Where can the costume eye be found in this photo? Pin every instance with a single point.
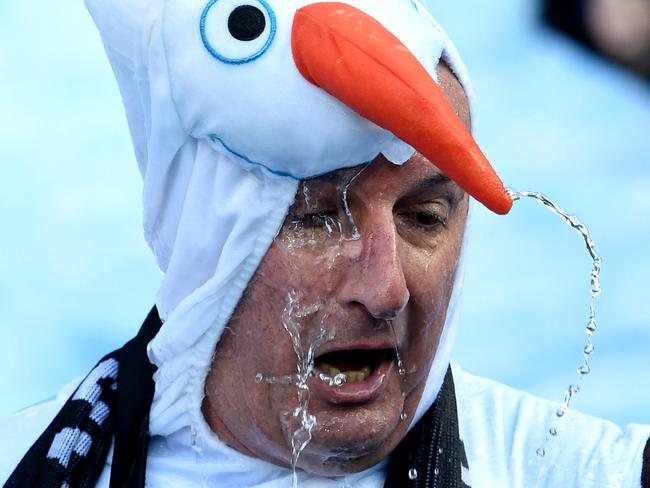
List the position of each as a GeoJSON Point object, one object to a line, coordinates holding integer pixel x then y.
{"type": "Point", "coordinates": [234, 32]}
{"type": "Point", "coordinates": [246, 23]}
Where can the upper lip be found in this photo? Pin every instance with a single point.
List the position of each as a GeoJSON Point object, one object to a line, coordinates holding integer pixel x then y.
{"type": "Point", "coordinates": [366, 345]}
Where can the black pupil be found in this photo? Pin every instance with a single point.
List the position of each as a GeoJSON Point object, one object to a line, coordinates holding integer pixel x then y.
{"type": "Point", "coordinates": [246, 23]}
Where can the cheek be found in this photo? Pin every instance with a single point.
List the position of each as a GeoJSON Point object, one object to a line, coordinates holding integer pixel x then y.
{"type": "Point", "coordinates": [430, 278]}
{"type": "Point", "coordinates": [255, 342]}
{"type": "Point", "coordinates": [258, 320]}
{"type": "Point", "coordinates": [431, 272]}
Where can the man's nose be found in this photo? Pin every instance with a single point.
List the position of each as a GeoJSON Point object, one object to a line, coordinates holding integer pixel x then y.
{"type": "Point", "coordinates": [376, 278]}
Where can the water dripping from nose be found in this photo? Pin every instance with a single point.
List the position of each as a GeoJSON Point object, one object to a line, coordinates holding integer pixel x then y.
{"type": "Point", "coordinates": [400, 365]}
{"type": "Point", "coordinates": [398, 357]}
{"type": "Point", "coordinates": [584, 368]}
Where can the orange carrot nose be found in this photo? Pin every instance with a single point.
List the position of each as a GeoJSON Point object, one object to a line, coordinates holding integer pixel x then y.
{"type": "Point", "coordinates": [354, 58]}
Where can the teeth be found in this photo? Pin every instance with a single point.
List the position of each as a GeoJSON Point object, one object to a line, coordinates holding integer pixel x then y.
{"type": "Point", "coordinates": [350, 376]}
{"type": "Point", "coordinates": [329, 369]}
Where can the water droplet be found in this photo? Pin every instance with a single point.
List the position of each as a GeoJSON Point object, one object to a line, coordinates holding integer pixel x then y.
{"type": "Point", "coordinates": [197, 442]}
{"type": "Point", "coordinates": [591, 325]}
{"type": "Point", "coordinates": [560, 412]}
{"type": "Point", "coordinates": [589, 349]}
{"type": "Point", "coordinates": [413, 473]}
{"type": "Point", "coordinates": [259, 377]}
{"type": "Point", "coordinates": [436, 472]}
{"type": "Point", "coordinates": [440, 450]}
{"type": "Point", "coordinates": [401, 371]}
{"type": "Point", "coordinates": [584, 369]}
{"type": "Point", "coordinates": [552, 431]}
{"type": "Point", "coordinates": [541, 452]}
{"type": "Point", "coordinates": [403, 416]}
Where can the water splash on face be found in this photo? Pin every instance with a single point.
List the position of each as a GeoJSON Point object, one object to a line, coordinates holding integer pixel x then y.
{"type": "Point", "coordinates": [336, 380]}
{"type": "Point", "coordinates": [301, 422]}
{"type": "Point", "coordinates": [275, 380]}
{"type": "Point", "coordinates": [302, 433]}
{"type": "Point", "coordinates": [321, 218]}
{"type": "Point", "coordinates": [350, 227]}
{"type": "Point", "coordinates": [594, 290]}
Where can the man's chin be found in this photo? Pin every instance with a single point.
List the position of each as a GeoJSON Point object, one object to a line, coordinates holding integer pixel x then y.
{"type": "Point", "coordinates": [351, 439]}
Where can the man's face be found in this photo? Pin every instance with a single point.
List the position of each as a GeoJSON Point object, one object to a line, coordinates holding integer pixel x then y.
{"type": "Point", "coordinates": [360, 276]}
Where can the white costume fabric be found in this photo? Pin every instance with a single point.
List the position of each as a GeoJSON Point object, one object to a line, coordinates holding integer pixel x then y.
{"type": "Point", "coordinates": [218, 180]}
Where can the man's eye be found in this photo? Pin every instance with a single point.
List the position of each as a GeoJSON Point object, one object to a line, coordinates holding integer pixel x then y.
{"type": "Point", "coordinates": [425, 220]}
{"type": "Point", "coordinates": [317, 220]}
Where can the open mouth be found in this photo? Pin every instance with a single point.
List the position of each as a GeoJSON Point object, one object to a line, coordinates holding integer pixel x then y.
{"type": "Point", "coordinates": [353, 376]}
{"type": "Point", "coordinates": [353, 365]}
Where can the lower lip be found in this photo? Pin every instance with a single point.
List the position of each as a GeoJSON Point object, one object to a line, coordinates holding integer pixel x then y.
{"type": "Point", "coordinates": [358, 391]}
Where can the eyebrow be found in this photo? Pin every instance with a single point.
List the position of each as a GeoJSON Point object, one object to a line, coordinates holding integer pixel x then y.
{"type": "Point", "coordinates": [439, 179]}
{"type": "Point", "coordinates": [438, 183]}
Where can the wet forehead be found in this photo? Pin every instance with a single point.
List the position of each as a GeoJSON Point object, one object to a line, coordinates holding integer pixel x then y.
{"type": "Point", "coordinates": [455, 94]}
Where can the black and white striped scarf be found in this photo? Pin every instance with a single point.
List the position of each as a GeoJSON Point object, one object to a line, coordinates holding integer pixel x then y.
{"type": "Point", "coordinates": [111, 405]}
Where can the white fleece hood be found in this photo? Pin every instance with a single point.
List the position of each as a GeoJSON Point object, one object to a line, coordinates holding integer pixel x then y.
{"type": "Point", "coordinates": [218, 125]}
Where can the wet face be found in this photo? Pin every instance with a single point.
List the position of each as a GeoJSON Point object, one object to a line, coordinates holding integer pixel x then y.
{"type": "Point", "coordinates": [343, 316]}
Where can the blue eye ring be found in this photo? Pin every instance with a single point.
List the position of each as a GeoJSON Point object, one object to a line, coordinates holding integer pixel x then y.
{"type": "Point", "coordinates": [247, 59]}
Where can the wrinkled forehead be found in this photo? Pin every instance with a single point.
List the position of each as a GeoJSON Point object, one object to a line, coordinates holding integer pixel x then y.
{"type": "Point", "coordinates": [378, 180]}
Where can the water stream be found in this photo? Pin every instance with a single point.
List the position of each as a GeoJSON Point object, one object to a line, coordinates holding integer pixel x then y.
{"type": "Point", "coordinates": [352, 232]}
{"type": "Point", "coordinates": [584, 367]}
{"type": "Point", "coordinates": [398, 357]}
{"type": "Point", "coordinates": [306, 422]}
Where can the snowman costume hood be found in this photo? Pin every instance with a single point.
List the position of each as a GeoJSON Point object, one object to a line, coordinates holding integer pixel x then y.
{"type": "Point", "coordinates": [205, 110]}
{"type": "Point", "coordinates": [230, 104]}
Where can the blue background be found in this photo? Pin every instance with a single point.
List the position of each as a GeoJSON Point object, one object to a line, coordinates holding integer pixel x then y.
{"type": "Point", "coordinates": [76, 278]}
